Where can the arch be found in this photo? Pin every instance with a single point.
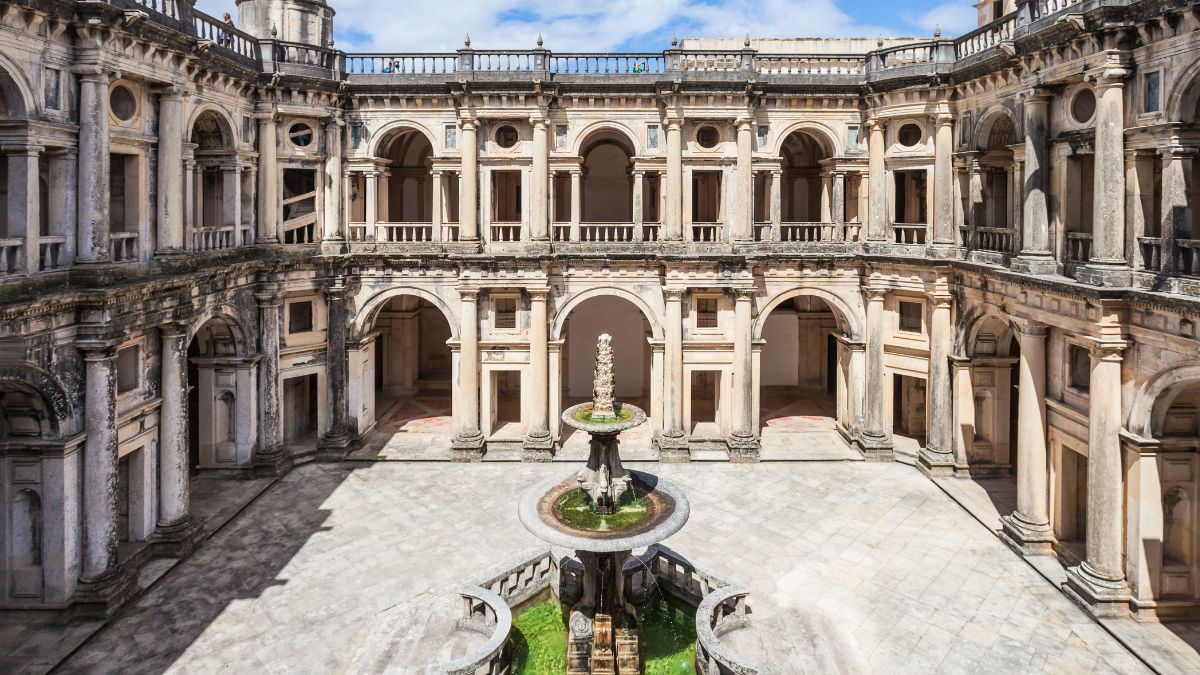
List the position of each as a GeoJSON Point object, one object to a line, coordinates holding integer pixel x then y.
{"type": "Point", "coordinates": [17, 96]}
{"type": "Point", "coordinates": [822, 134]}
{"type": "Point", "coordinates": [387, 131]}
{"type": "Point", "coordinates": [365, 318]}
{"type": "Point", "coordinates": [988, 121]}
{"type": "Point", "coordinates": [848, 321]}
{"type": "Point", "coordinates": [211, 119]}
{"type": "Point", "coordinates": [973, 321]}
{"type": "Point", "coordinates": [47, 387]}
{"type": "Point", "coordinates": [1152, 400]}
{"type": "Point", "coordinates": [560, 317]}
{"type": "Point", "coordinates": [1183, 105]}
{"type": "Point", "coordinates": [229, 314]}
{"type": "Point", "coordinates": [596, 129]}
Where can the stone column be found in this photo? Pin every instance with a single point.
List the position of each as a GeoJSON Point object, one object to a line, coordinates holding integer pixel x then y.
{"type": "Point", "coordinates": [170, 171]}
{"type": "Point", "coordinates": [468, 441]}
{"type": "Point", "coordinates": [175, 525]}
{"type": "Point", "coordinates": [1028, 528]}
{"type": "Point", "coordinates": [877, 220]}
{"type": "Point", "coordinates": [743, 215]}
{"type": "Point", "coordinates": [743, 443]}
{"type": "Point", "coordinates": [24, 200]}
{"type": "Point", "coordinates": [93, 175]}
{"type": "Point", "coordinates": [371, 194]}
{"type": "Point", "coordinates": [435, 217]}
{"type": "Point", "coordinates": [638, 215]}
{"type": "Point", "coordinates": [538, 445]}
{"type": "Point", "coordinates": [838, 205]}
{"type": "Point", "coordinates": [576, 202]}
{"type": "Point", "coordinates": [963, 435]}
{"type": "Point", "coordinates": [271, 457]}
{"type": "Point", "coordinates": [943, 187]}
{"type": "Point", "coordinates": [875, 441]}
{"type": "Point", "coordinates": [333, 222]}
{"type": "Point", "coordinates": [336, 367]}
{"type": "Point", "coordinates": [826, 197]}
{"type": "Point", "coordinates": [1036, 256]}
{"type": "Point", "coordinates": [99, 568]}
{"type": "Point", "coordinates": [268, 180]}
{"type": "Point", "coordinates": [673, 190]}
{"type": "Point", "coordinates": [231, 196]}
{"type": "Point", "coordinates": [539, 228]}
{"type": "Point", "coordinates": [62, 206]}
{"type": "Point", "coordinates": [673, 442]}
{"type": "Point", "coordinates": [1177, 195]}
{"type": "Point", "coordinates": [1099, 581]}
{"type": "Point", "coordinates": [1107, 266]}
{"type": "Point", "coordinates": [937, 457]}
{"type": "Point", "coordinates": [776, 206]}
{"type": "Point", "coordinates": [468, 185]}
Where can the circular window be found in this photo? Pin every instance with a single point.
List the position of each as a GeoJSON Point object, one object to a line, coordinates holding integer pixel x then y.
{"type": "Point", "coordinates": [1083, 106]}
{"type": "Point", "coordinates": [910, 135]}
{"type": "Point", "coordinates": [301, 135]}
{"type": "Point", "coordinates": [708, 136]}
{"type": "Point", "coordinates": [506, 136]}
{"type": "Point", "coordinates": [122, 103]}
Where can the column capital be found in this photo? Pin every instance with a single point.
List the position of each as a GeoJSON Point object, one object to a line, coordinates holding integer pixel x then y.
{"type": "Point", "coordinates": [1178, 151]}
{"type": "Point", "coordinates": [272, 297]}
{"type": "Point", "coordinates": [1108, 350]}
{"type": "Point", "coordinates": [62, 152]}
{"type": "Point", "coordinates": [941, 299]}
{"type": "Point", "coordinates": [674, 294]}
{"type": "Point", "coordinates": [745, 294]}
{"type": "Point", "coordinates": [468, 294]}
{"type": "Point", "coordinates": [173, 328]}
{"type": "Point", "coordinates": [875, 124]}
{"type": "Point", "coordinates": [1027, 328]}
{"type": "Point", "coordinates": [539, 122]}
{"type": "Point", "coordinates": [1112, 75]}
{"type": "Point", "coordinates": [469, 125]}
{"type": "Point", "coordinates": [673, 123]}
{"type": "Point", "coordinates": [91, 71]}
{"type": "Point", "coordinates": [97, 351]}
{"type": "Point", "coordinates": [875, 293]}
{"type": "Point", "coordinates": [538, 294]}
{"type": "Point", "coordinates": [171, 92]}
{"type": "Point", "coordinates": [1037, 95]}
{"type": "Point", "coordinates": [27, 149]}
{"type": "Point", "coordinates": [744, 124]}
{"type": "Point", "coordinates": [944, 119]}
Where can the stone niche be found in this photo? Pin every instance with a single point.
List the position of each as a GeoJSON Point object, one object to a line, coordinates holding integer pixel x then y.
{"type": "Point", "coordinates": [227, 399]}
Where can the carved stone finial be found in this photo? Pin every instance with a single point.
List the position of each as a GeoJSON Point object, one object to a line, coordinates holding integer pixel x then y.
{"type": "Point", "coordinates": [274, 31]}
{"type": "Point", "coordinates": [539, 40]}
{"type": "Point", "coordinates": [937, 30]}
{"type": "Point", "coordinates": [467, 41]}
{"type": "Point", "coordinates": [746, 42]}
{"type": "Point", "coordinates": [602, 387]}
{"type": "Point", "coordinates": [879, 42]}
{"type": "Point", "coordinates": [674, 40]}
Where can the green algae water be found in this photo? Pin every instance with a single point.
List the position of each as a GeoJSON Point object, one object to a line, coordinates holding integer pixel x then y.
{"type": "Point", "coordinates": [574, 507]}
{"type": "Point", "coordinates": [668, 638]}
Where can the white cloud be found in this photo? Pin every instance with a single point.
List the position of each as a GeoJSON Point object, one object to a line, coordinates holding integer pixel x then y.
{"type": "Point", "coordinates": [954, 18]}
{"type": "Point", "coordinates": [571, 25]}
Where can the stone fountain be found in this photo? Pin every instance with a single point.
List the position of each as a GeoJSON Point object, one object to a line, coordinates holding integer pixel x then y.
{"type": "Point", "coordinates": [603, 512]}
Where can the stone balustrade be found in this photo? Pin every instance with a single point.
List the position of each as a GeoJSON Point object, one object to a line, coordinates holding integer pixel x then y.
{"type": "Point", "coordinates": [1189, 256]}
{"type": "Point", "coordinates": [1150, 250]}
{"type": "Point", "coordinates": [12, 256]}
{"type": "Point", "coordinates": [1079, 247]}
{"type": "Point", "coordinates": [908, 234]}
{"type": "Point", "coordinates": [487, 613]}
{"type": "Point", "coordinates": [124, 246]}
{"type": "Point", "coordinates": [720, 612]}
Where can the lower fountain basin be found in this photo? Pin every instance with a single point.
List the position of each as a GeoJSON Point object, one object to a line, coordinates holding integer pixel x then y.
{"type": "Point", "coordinates": [662, 510]}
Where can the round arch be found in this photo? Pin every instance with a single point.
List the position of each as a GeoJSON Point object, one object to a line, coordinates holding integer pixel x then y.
{"type": "Point", "coordinates": [972, 321]}
{"type": "Point", "coordinates": [227, 127]}
{"type": "Point", "coordinates": [848, 321]}
{"type": "Point", "coordinates": [387, 131]}
{"type": "Point", "coordinates": [45, 385]}
{"type": "Point", "coordinates": [228, 314]}
{"type": "Point", "coordinates": [560, 317]}
{"type": "Point", "coordinates": [18, 98]}
{"type": "Point", "coordinates": [988, 120]}
{"type": "Point", "coordinates": [1152, 400]}
{"type": "Point", "coordinates": [817, 131]}
{"type": "Point", "coordinates": [365, 317]}
{"type": "Point", "coordinates": [1184, 100]}
{"type": "Point", "coordinates": [595, 128]}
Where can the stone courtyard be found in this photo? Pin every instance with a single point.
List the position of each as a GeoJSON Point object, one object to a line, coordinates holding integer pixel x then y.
{"type": "Point", "coordinates": [876, 560]}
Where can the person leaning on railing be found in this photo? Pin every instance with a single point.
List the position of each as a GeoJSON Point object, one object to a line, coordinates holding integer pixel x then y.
{"type": "Point", "coordinates": [225, 38]}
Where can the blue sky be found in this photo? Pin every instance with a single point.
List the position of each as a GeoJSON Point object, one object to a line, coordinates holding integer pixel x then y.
{"type": "Point", "coordinates": [621, 25]}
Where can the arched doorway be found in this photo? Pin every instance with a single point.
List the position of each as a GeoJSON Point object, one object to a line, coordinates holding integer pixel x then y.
{"type": "Point", "coordinates": [989, 441]}
{"type": "Point", "coordinates": [633, 355]}
{"type": "Point", "coordinates": [24, 419]}
{"type": "Point", "coordinates": [803, 193]}
{"type": "Point", "coordinates": [222, 387]}
{"type": "Point", "coordinates": [407, 196]}
{"type": "Point", "coordinates": [607, 181]}
{"type": "Point", "coordinates": [213, 215]}
{"type": "Point", "coordinates": [803, 379]}
{"type": "Point", "coordinates": [411, 378]}
{"type": "Point", "coordinates": [994, 216]}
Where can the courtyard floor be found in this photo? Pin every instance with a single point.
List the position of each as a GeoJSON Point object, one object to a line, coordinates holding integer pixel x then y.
{"type": "Point", "coordinates": [852, 567]}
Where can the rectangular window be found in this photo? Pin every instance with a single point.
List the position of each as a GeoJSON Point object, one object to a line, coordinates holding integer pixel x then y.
{"type": "Point", "coordinates": [763, 133]}
{"type": "Point", "coordinates": [652, 136]}
{"type": "Point", "coordinates": [451, 137]}
{"type": "Point", "coordinates": [356, 135]}
{"type": "Point", "coordinates": [852, 137]}
{"type": "Point", "coordinates": [300, 317]}
{"type": "Point", "coordinates": [1079, 367]}
{"type": "Point", "coordinates": [53, 79]}
{"type": "Point", "coordinates": [506, 313]}
{"type": "Point", "coordinates": [299, 206]}
{"type": "Point", "coordinates": [560, 136]}
{"type": "Point", "coordinates": [706, 312]}
{"type": "Point", "coordinates": [128, 365]}
{"type": "Point", "coordinates": [911, 316]}
{"type": "Point", "coordinates": [1151, 98]}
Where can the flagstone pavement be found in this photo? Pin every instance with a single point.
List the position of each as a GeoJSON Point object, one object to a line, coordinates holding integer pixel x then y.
{"type": "Point", "coordinates": [852, 566]}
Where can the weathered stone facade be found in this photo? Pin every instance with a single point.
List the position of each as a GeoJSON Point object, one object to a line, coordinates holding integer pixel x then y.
{"type": "Point", "coordinates": [222, 247]}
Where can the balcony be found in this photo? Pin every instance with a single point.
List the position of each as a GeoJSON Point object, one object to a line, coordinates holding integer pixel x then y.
{"type": "Point", "coordinates": [12, 257]}
{"type": "Point", "coordinates": [910, 234]}
{"type": "Point", "coordinates": [214, 238]}
{"type": "Point", "coordinates": [1079, 248]}
{"type": "Point", "coordinates": [124, 246]}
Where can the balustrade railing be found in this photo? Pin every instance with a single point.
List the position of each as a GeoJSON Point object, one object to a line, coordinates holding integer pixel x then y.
{"type": "Point", "coordinates": [607, 64]}
{"type": "Point", "coordinates": [763, 231]}
{"type": "Point", "coordinates": [810, 232]}
{"type": "Point", "coordinates": [124, 246]}
{"type": "Point", "coordinates": [995, 239]}
{"type": "Point", "coordinates": [213, 238]}
{"type": "Point", "coordinates": [52, 252]}
{"type": "Point", "coordinates": [225, 36]}
{"type": "Point", "coordinates": [300, 234]}
{"type": "Point", "coordinates": [650, 231]}
{"type": "Point", "coordinates": [707, 232]}
{"type": "Point", "coordinates": [853, 231]}
{"type": "Point", "coordinates": [810, 64]}
{"type": "Point", "coordinates": [1044, 8]}
{"type": "Point", "coordinates": [1189, 256]}
{"type": "Point", "coordinates": [506, 232]}
{"type": "Point", "coordinates": [487, 613]}
{"type": "Point", "coordinates": [300, 54]}
{"type": "Point", "coordinates": [507, 61]}
{"type": "Point", "coordinates": [450, 232]}
{"type": "Point", "coordinates": [12, 256]}
{"type": "Point", "coordinates": [1151, 251]}
{"type": "Point", "coordinates": [401, 64]}
{"type": "Point", "coordinates": [987, 36]}
{"type": "Point", "coordinates": [908, 233]}
{"type": "Point", "coordinates": [615, 232]}
{"type": "Point", "coordinates": [1079, 247]}
{"type": "Point", "coordinates": [403, 232]}
{"type": "Point", "coordinates": [710, 62]}
{"type": "Point", "coordinates": [356, 231]}
{"type": "Point", "coordinates": [168, 8]}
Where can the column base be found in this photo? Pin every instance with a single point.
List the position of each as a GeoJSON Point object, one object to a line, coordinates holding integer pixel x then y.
{"type": "Point", "coordinates": [1028, 262]}
{"type": "Point", "coordinates": [672, 448]}
{"type": "Point", "coordinates": [273, 462]}
{"type": "Point", "coordinates": [744, 449]}
{"type": "Point", "coordinates": [943, 250]}
{"type": "Point", "coordinates": [1025, 536]}
{"type": "Point", "coordinates": [333, 246]}
{"type": "Point", "coordinates": [266, 240]}
{"type": "Point", "coordinates": [875, 448]}
{"type": "Point", "coordinates": [467, 447]}
{"type": "Point", "coordinates": [935, 464]}
{"type": "Point", "coordinates": [102, 596]}
{"type": "Point", "coordinates": [176, 539]}
{"type": "Point", "coordinates": [1098, 594]}
{"type": "Point", "coordinates": [335, 441]}
{"type": "Point", "coordinates": [1102, 273]}
{"type": "Point", "coordinates": [538, 447]}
